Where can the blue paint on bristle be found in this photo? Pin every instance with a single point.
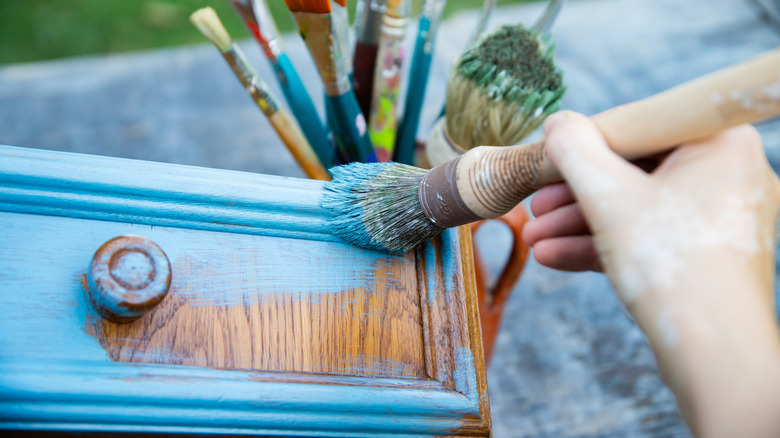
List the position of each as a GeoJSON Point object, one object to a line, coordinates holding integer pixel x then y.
{"type": "Point", "coordinates": [341, 201]}
{"type": "Point", "coordinates": [377, 206]}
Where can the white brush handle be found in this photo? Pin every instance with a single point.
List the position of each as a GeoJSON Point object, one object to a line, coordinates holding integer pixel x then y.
{"type": "Point", "coordinates": [491, 180]}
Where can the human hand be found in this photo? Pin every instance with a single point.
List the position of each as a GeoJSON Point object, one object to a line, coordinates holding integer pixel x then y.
{"type": "Point", "coordinates": [689, 249]}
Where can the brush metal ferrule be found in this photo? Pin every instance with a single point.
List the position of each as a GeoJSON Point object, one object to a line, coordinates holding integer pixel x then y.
{"type": "Point", "coordinates": [248, 77]}
{"type": "Point", "coordinates": [318, 34]}
{"type": "Point", "coordinates": [257, 17]}
{"type": "Point", "coordinates": [440, 198]}
{"type": "Point", "coordinates": [267, 29]}
{"type": "Point", "coordinates": [431, 12]}
{"type": "Point", "coordinates": [368, 20]}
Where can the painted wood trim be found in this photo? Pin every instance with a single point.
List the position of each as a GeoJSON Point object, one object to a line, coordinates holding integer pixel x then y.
{"type": "Point", "coordinates": [141, 192]}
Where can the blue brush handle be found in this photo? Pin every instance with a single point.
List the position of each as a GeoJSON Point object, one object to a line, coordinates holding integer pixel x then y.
{"type": "Point", "coordinates": [351, 128]}
{"type": "Point", "coordinates": [303, 109]}
{"type": "Point", "coordinates": [407, 130]}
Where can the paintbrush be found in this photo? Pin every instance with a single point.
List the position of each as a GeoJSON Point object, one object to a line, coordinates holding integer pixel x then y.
{"type": "Point", "coordinates": [208, 23]}
{"type": "Point", "coordinates": [368, 23]}
{"type": "Point", "coordinates": [393, 207]}
{"type": "Point", "coordinates": [418, 78]}
{"type": "Point", "coordinates": [316, 26]}
{"type": "Point", "coordinates": [482, 19]}
{"type": "Point", "coordinates": [383, 124]}
{"type": "Point", "coordinates": [258, 19]}
{"type": "Point", "coordinates": [498, 92]}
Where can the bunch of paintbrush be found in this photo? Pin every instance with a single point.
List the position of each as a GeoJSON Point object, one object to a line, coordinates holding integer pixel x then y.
{"type": "Point", "coordinates": [393, 207]}
{"type": "Point", "coordinates": [383, 123]}
{"type": "Point", "coordinates": [208, 23]}
{"type": "Point", "coordinates": [258, 19]}
{"type": "Point", "coordinates": [428, 26]}
{"type": "Point", "coordinates": [319, 27]}
{"type": "Point", "coordinates": [498, 92]}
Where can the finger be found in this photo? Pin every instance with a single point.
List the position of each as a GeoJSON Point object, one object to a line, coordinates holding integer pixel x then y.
{"type": "Point", "coordinates": [550, 197]}
{"type": "Point", "coordinates": [581, 154]}
{"type": "Point", "coordinates": [573, 253]}
{"type": "Point", "coordinates": [564, 221]}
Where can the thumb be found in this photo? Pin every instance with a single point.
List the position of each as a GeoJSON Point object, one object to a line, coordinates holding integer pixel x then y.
{"type": "Point", "coordinates": [584, 159]}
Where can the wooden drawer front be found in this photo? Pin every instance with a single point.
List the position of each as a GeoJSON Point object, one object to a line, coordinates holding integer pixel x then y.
{"type": "Point", "coordinates": [270, 325]}
{"type": "Point", "coordinates": [235, 301]}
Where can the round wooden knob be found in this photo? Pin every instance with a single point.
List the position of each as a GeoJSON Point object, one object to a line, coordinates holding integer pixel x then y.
{"type": "Point", "coordinates": [129, 275]}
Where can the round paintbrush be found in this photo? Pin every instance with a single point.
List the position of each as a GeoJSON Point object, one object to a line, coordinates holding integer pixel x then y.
{"type": "Point", "coordinates": [499, 91]}
{"type": "Point", "coordinates": [393, 207]}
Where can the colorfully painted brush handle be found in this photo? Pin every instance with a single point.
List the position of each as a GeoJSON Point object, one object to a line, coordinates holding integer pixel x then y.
{"type": "Point", "coordinates": [352, 128]}
{"type": "Point", "coordinates": [415, 95]}
{"type": "Point", "coordinates": [303, 109]}
{"type": "Point", "coordinates": [488, 181]}
{"type": "Point", "coordinates": [383, 122]}
{"type": "Point", "coordinates": [296, 143]}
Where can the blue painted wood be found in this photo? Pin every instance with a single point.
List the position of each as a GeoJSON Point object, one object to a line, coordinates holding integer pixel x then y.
{"type": "Point", "coordinates": [56, 209]}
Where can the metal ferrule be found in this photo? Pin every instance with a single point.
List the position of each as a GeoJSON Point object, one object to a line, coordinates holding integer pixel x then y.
{"type": "Point", "coordinates": [432, 10]}
{"type": "Point", "coordinates": [320, 38]}
{"type": "Point", "coordinates": [248, 77]}
{"type": "Point", "coordinates": [440, 198]}
{"type": "Point", "coordinates": [267, 26]}
{"type": "Point", "coordinates": [368, 20]}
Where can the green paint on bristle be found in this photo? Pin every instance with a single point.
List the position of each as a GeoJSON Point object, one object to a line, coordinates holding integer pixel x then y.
{"type": "Point", "coordinates": [510, 63]}
{"type": "Point", "coordinates": [376, 206]}
{"type": "Point", "coordinates": [510, 74]}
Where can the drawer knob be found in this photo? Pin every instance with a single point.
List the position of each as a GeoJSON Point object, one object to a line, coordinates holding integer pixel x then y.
{"type": "Point", "coordinates": [128, 276]}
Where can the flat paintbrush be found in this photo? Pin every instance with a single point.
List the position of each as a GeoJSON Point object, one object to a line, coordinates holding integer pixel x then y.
{"type": "Point", "coordinates": [208, 23]}
{"type": "Point", "coordinates": [258, 19]}
{"type": "Point", "coordinates": [392, 207]}
{"type": "Point", "coordinates": [318, 30]}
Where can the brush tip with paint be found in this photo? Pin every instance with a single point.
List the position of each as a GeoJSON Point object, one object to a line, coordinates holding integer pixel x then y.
{"type": "Point", "coordinates": [207, 21]}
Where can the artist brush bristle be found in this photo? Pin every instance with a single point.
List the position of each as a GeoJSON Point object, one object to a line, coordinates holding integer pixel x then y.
{"type": "Point", "coordinates": [343, 3]}
{"type": "Point", "coordinates": [502, 88]}
{"type": "Point", "coordinates": [208, 23]}
{"type": "Point", "coordinates": [377, 206]}
{"type": "Point", "coordinates": [316, 6]}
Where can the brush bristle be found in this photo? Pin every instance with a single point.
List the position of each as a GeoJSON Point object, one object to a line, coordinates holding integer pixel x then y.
{"type": "Point", "coordinates": [343, 3]}
{"type": "Point", "coordinates": [377, 206]}
{"type": "Point", "coordinates": [502, 88]}
{"type": "Point", "coordinates": [316, 6]}
{"type": "Point", "coordinates": [207, 21]}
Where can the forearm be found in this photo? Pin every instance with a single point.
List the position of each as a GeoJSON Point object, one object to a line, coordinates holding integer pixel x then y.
{"type": "Point", "coordinates": [716, 340]}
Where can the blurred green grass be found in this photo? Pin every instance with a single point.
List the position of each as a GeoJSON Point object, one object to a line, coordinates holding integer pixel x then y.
{"type": "Point", "coordinates": [33, 30]}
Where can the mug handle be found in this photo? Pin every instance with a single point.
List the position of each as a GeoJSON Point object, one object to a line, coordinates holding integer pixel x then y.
{"type": "Point", "coordinates": [491, 302]}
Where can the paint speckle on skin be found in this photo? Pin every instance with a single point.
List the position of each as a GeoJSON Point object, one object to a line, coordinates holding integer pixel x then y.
{"type": "Point", "coordinates": [675, 225]}
{"type": "Point", "coordinates": [666, 326]}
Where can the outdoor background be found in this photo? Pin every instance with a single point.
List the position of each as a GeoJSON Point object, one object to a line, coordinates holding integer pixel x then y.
{"type": "Point", "coordinates": [33, 30]}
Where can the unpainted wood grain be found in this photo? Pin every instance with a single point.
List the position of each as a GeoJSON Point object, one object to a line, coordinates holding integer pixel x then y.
{"type": "Point", "coordinates": [224, 312]}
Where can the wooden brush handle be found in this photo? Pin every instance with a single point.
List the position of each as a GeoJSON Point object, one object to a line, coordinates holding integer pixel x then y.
{"type": "Point", "coordinates": [299, 147]}
{"type": "Point", "coordinates": [744, 93]}
{"type": "Point", "coordinates": [488, 181]}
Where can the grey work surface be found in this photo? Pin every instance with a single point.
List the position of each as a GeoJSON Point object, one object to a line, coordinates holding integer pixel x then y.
{"type": "Point", "coordinates": [568, 361]}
